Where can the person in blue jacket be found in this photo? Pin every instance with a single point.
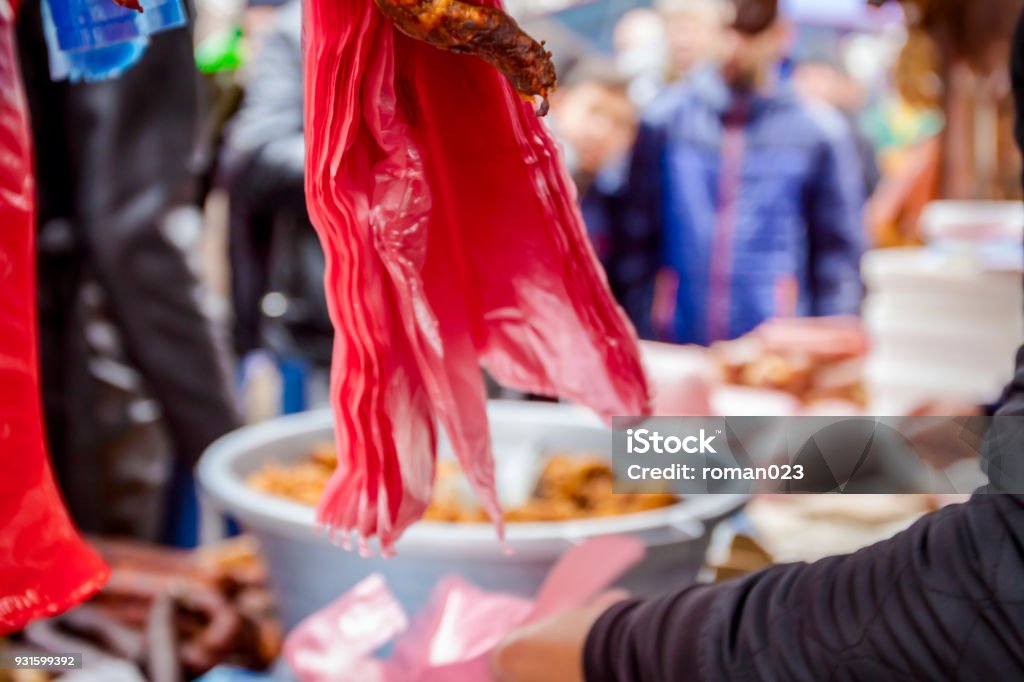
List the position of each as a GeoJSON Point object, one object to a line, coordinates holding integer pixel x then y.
{"type": "Point", "coordinates": [756, 196]}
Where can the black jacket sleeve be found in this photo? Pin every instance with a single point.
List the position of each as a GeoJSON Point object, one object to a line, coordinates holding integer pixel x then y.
{"type": "Point", "coordinates": [942, 600]}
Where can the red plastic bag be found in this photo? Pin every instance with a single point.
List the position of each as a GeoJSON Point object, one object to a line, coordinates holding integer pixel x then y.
{"type": "Point", "coordinates": [452, 637]}
{"type": "Point", "coordinates": [453, 240]}
{"type": "Point", "coordinates": [45, 567]}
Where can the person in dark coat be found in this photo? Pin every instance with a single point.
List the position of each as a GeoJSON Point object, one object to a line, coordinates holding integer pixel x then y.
{"type": "Point", "coordinates": [943, 600]}
{"type": "Point", "coordinates": [595, 120]}
{"type": "Point", "coordinates": [277, 261]}
{"type": "Point", "coordinates": [135, 377]}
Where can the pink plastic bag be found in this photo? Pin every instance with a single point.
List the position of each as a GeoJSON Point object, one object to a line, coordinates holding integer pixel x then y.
{"type": "Point", "coordinates": [452, 638]}
{"type": "Point", "coordinates": [45, 567]}
{"type": "Point", "coordinates": [452, 240]}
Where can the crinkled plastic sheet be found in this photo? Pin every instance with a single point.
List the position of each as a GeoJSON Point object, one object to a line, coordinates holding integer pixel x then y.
{"type": "Point", "coordinates": [451, 639]}
{"type": "Point", "coordinates": [44, 566]}
{"type": "Point", "coordinates": [453, 240]}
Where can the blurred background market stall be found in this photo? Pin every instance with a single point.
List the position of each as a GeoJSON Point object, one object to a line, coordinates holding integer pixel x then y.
{"type": "Point", "coordinates": [857, 155]}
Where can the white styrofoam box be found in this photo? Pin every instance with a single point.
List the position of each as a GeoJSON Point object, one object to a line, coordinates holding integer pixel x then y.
{"type": "Point", "coordinates": [953, 220]}
{"type": "Point", "coordinates": [935, 273]}
{"type": "Point", "coordinates": [998, 316]}
{"type": "Point", "coordinates": [967, 351]}
{"type": "Point", "coordinates": [897, 387]}
{"type": "Point", "coordinates": [942, 327]}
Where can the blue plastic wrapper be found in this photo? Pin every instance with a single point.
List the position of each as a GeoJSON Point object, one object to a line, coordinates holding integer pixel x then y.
{"type": "Point", "coordinates": [91, 40]}
{"type": "Point", "coordinates": [82, 24]}
{"type": "Point", "coordinates": [93, 64]}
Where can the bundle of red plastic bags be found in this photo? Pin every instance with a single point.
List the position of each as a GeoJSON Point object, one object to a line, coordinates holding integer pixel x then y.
{"type": "Point", "coordinates": [453, 241]}
{"type": "Point", "coordinates": [45, 567]}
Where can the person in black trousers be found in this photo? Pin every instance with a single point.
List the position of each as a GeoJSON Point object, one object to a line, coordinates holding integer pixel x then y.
{"type": "Point", "coordinates": [136, 378]}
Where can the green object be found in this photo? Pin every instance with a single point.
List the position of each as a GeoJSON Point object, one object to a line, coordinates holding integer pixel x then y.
{"type": "Point", "coordinates": [221, 51]}
{"type": "Point", "coordinates": [892, 123]}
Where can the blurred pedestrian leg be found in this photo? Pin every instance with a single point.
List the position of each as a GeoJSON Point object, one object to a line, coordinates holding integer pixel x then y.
{"type": "Point", "coordinates": [116, 208]}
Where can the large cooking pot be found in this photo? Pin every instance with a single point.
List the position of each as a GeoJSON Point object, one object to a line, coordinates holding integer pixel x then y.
{"type": "Point", "coordinates": [307, 571]}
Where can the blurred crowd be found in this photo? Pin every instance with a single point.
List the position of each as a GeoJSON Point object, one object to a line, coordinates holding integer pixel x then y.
{"type": "Point", "coordinates": [721, 166]}
{"type": "Point", "coordinates": [726, 165]}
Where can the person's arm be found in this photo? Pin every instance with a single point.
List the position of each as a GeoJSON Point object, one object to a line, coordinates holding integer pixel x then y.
{"type": "Point", "coordinates": [939, 601]}
{"type": "Point", "coordinates": [834, 214]}
{"type": "Point", "coordinates": [942, 600]}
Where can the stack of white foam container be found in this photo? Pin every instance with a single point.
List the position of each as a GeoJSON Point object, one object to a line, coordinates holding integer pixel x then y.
{"type": "Point", "coordinates": [945, 321]}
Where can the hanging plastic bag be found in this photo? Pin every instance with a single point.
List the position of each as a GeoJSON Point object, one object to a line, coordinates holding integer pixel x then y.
{"type": "Point", "coordinates": [451, 639]}
{"type": "Point", "coordinates": [45, 567]}
{"type": "Point", "coordinates": [452, 240]}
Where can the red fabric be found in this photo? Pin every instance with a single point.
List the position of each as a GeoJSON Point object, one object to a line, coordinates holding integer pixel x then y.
{"type": "Point", "coordinates": [453, 240]}
{"type": "Point", "coordinates": [45, 567]}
